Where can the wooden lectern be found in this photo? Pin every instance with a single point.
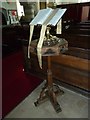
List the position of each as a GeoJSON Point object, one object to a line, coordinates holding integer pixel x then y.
{"type": "Point", "coordinates": [48, 45]}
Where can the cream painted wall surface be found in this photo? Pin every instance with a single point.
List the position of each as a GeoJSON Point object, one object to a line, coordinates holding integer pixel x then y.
{"type": "Point", "coordinates": [71, 1]}
{"type": "Point", "coordinates": [6, 5]}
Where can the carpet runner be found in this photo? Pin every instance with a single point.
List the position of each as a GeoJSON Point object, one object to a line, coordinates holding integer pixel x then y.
{"type": "Point", "coordinates": [16, 84]}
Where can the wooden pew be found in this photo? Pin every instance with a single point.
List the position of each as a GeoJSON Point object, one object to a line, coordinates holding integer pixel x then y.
{"type": "Point", "coordinates": [80, 26]}
{"type": "Point", "coordinates": [78, 31]}
{"type": "Point", "coordinates": [78, 40]}
{"type": "Point", "coordinates": [77, 28]}
{"type": "Point", "coordinates": [66, 68]}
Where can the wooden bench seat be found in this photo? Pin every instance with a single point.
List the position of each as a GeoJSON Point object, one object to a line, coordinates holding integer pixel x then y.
{"type": "Point", "coordinates": [68, 69]}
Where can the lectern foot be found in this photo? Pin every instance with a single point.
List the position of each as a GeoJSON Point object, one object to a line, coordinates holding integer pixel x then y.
{"type": "Point", "coordinates": [36, 103]}
{"type": "Point", "coordinates": [50, 94]}
{"type": "Point", "coordinates": [57, 108]}
{"type": "Point", "coordinates": [40, 100]}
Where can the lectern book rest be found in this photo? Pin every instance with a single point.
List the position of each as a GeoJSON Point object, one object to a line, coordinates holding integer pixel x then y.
{"type": "Point", "coordinates": [45, 17]}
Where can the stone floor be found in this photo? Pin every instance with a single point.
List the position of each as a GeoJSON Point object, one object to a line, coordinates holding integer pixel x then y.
{"type": "Point", "coordinates": [73, 106]}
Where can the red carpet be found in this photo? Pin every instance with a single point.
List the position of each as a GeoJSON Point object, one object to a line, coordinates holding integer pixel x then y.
{"type": "Point", "coordinates": [16, 84]}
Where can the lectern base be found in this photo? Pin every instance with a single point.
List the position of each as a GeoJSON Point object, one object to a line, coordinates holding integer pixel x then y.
{"type": "Point", "coordinates": [51, 93]}
{"type": "Point", "coordinates": [50, 90]}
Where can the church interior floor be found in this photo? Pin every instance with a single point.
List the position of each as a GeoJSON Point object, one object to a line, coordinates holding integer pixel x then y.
{"type": "Point", "coordinates": [73, 105]}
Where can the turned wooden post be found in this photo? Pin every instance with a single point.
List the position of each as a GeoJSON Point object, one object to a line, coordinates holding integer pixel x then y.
{"type": "Point", "coordinates": [49, 73]}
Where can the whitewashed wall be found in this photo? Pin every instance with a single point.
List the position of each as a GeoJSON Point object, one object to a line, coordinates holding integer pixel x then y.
{"type": "Point", "coordinates": [6, 5]}
{"type": "Point", "coordinates": [71, 1]}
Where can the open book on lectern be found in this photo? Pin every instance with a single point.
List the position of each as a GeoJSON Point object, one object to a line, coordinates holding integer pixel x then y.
{"type": "Point", "coordinates": [48, 16]}
{"type": "Point", "coordinates": [44, 17]}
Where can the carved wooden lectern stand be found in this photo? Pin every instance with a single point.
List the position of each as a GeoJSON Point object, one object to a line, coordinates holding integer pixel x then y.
{"type": "Point", "coordinates": [50, 90]}
{"type": "Point", "coordinates": [48, 45]}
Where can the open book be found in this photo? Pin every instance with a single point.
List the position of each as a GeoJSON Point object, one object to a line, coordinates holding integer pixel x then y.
{"type": "Point", "coordinates": [48, 16]}
{"type": "Point", "coordinates": [44, 17]}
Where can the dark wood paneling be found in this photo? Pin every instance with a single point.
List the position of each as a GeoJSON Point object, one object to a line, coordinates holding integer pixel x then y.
{"type": "Point", "coordinates": [74, 11]}
{"type": "Point", "coordinates": [69, 69]}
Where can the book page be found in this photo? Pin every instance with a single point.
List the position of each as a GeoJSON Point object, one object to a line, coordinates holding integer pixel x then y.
{"type": "Point", "coordinates": [52, 14]}
{"type": "Point", "coordinates": [41, 16]}
{"type": "Point", "coordinates": [56, 17]}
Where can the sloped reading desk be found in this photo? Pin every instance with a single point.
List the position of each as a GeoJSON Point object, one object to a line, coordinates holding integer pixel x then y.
{"type": "Point", "coordinates": [48, 45]}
